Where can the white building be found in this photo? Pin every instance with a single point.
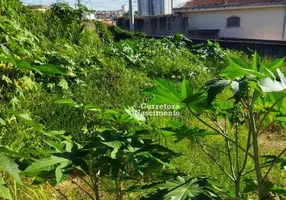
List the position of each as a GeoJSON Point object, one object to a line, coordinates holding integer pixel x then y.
{"type": "Point", "coordinates": [124, 8]}
{"type": "Point", "coordinates": [163, 7]}
{"type": "Point", "coordinates": [89, 16]}
{"type": "Point", "coordinates": [144, 7]}
{"type": "Point", "coordinates": [242, 19]}
{"type": "Point", "coordinates": [155, 7]}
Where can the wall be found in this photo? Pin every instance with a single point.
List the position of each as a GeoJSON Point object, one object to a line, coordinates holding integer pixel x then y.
{"type": "Point", "coordinates": [164, 25]}
{"type": "Point", "coordinates": [263, 24]}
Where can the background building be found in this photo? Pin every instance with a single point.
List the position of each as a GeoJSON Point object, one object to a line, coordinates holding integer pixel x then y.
{"type": "Point", "coordinates": [239, 19]}
{"type": "Point", "coordinates": [155, 7]}
{"type": "Point", "coordinates": [124, 8]}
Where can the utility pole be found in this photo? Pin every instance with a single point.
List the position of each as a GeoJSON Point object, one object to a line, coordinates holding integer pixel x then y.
{"type": "Point", "coordinates": [131, 15]}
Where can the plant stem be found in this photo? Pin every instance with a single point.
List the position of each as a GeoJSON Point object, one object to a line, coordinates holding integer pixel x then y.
{"type": "Point", "coordinates": [256, 153]}
{"type": "Point", "coordinates": [215, 148]}
{"type": "Point", "coordinates": [86, 182]}
{"type": "Point", "coordinates": [219, 132]}
{"type": "Point", "coordinates": [263, 166]}
{"type": "Point", "coordinates": [216, 162]}
{"type": "Point", "coordinates": [96, 189]}
{"type": "Point", "coordinates": [229, 158]}
{"type": "Point", "coordinates": [118, 189]}
{"type": "Point", "coordinates": [94, 183]}
{"type": "Point", "coordinates": [84, 190]}
{"type": "Point", "coordinates": [238, 175]}
{"type": "Point", "coordinates": [58, 190]}
{"type": "Point", "coordinates": [246, 155]}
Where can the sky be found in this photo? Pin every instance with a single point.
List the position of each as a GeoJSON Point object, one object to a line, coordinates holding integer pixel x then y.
{"type": "Point", "coordinates": [94, 4]}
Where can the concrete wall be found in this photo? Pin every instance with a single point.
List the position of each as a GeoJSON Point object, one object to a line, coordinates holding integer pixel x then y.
{"type": "Point", "coordinates": [255, 23]}
{"type": "Point", "coordinates": [164, 25]}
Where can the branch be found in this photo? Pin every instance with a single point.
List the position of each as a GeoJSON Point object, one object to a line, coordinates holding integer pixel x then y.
{"type": "Point", "coordinates": [236, 150]}
{"type": "Point", "coordinates": [84, 190]}
{"type": "Point", "coordinates": [229, 157]}
{"type": "Point", "coordinates": [263, 166]}
{"type": "Point", "coordinates": [214, 148]}
{"type": "Point", "coordinates": [86, 182]}
{"type": "Point", "coordinates": [221, 191]}
{"type": "Point", "coordinates": [217, 163]}
{"type": "Point", "coordinates": [273, 163]}
{"type": "Point", "coordinates": [266, 128]}
{"type": "Point", "coordinates": [248, 145]}
{"type": "Point", "coordinates": [58, 190]}
{"type": "Point", "coordinates": [227, 145]}
{"type": "Point", "coordinates": [269, 110]}
{"type": "Point", "coordinates": [214, 129]}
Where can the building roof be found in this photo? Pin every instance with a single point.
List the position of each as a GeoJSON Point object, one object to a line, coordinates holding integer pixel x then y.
{"type": "Point", "coordinates": [218, 3]}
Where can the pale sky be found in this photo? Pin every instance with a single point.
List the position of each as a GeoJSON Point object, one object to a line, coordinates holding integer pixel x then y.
{"type": "Point", "coordinates": [94, 4]}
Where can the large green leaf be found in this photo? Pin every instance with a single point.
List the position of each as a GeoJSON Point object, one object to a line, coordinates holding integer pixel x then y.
{"type": "Point", "coordinates": [134, 115]}
{"type": "Point", "coordinates": [4, 191]}
{"type": "Point", "coordinates": [46, 164]}
{"type": "Point", "coordinates": [182, 131]}
{"type": "Point", "coordinates": [2, 122]}
{"type": "Point", "coordinates": [269, 85]}
{"type": "Point", "coordinates": [250, 185]}
{"type": "Point", "coordinates": [256, 62]}
{"type": "Point", "coordinates": [182, 188]}
{"type": "Point", "coordinates": [186, 89]}
{"type": "Point", "coordinates": [276, 64]}
{"type": "Point", "coordinates": [68, 102]}
{"type": "Point", "coordinates": [6, 164]}
{"type": "Point", "coordinates": [167, 92]}
{"type": "Point", "coordinates": [6, 51]}
{"type": "Point", "coordinates": [24, 66]}
{"type": "Point", "coordinates": [239, 68]}
{"type": "Point", "coordinates": [216, 88]}
{"type": "Point", "coordinates": [276, 189]}
{"type": "Point", "coordinates": [28, 120]}
{"type": "Point", "coordinates": [282, 119]}
{"type": "Point", "coordinates": [114, 144]}
{"type": "Point", "coordinates": [239, 89]}
{"type": "Point", "coordinates": [8, 60]}
{"type": "Point", "coordinates": [164, 92]}
{"type": "Point", "coordinates": [49, 69]}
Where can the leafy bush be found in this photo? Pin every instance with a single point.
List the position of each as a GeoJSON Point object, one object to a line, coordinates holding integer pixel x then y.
{"type": "Point", "coordinates": [104, 149]}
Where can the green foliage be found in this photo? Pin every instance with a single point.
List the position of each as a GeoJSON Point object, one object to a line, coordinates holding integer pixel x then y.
{"type": "Point", "coordinates": [183, 188]}
{"type": "Point", "coordinates": [165, 58]}
{"type": "Point", "coordinates": [252, 102]}
{"type": "Point", "coordinates": [50, 61]}
{"type": "Point", "coordinates": [212, 53]}
{"type": "Point", "coordinates": [10, 167]}
{"type": "Point", "coordinates": [4, 191]}
{"type": "Point", "coordinates": [119, 34]}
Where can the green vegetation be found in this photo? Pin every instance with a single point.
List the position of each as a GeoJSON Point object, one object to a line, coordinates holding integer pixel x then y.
{"type": "Point", "coordinates": [70, 126]}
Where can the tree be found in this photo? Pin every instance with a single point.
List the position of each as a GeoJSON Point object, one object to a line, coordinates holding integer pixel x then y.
{"type": "Point", "coordinates": [256, 103]}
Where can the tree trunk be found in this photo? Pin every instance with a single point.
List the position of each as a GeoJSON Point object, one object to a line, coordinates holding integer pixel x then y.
{"type": "Point", "coordinates": [256, 154]}
{"type": "Point", "coordinates": [118, 189]}
{"type": "Point", "coordinates": [237, 188]}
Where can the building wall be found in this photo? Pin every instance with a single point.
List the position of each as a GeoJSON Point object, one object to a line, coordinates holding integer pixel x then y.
{"type": "Point", "coordinates": [264, 24]}
{"type": "Point", "coordinates": [166, 25]}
